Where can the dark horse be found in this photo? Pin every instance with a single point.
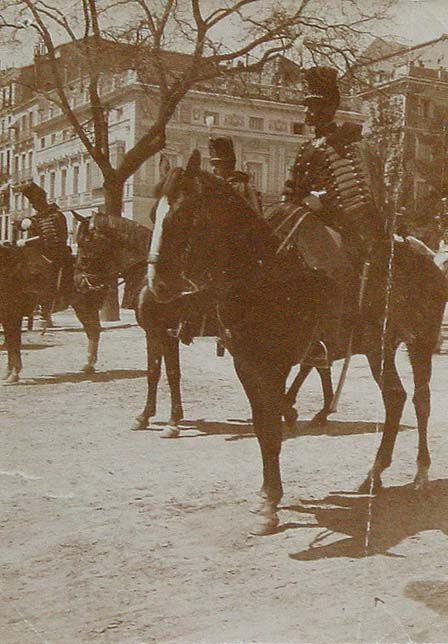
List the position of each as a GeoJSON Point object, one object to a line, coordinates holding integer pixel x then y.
{"type": "Point", "coordinates": [111, 247]}
{"type": "Point", "coordinates": [267, 306]}
{"type": "Point", "coordinates": [26, 280]}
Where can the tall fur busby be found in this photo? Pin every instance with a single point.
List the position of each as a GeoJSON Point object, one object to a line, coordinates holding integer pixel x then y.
{"type": "Point", "coordinates": [322, 85]}
{"type": "Point", "coordinates": [221, 149]}
{"type": "Point", "coordinates": [32, 192]}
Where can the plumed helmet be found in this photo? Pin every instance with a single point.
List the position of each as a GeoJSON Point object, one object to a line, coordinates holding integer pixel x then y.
{"type": "Point", "coordinates": [221, 149]}
{"type": "Point", "coordinates": [32, 191]}
{"type": "Point", "coordinates": [322, 85]}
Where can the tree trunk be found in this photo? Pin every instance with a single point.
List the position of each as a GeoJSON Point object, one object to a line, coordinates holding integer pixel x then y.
{"type": "Point", "coordinates": [113, 201]}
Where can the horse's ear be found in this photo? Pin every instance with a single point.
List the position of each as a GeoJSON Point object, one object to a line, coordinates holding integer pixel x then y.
{"type": "Point", "coordinates": [194, 164]}
{"type": "Point", "coordinates": [164, 166]}
{"type": "Point", "coordinates": [79, 217]}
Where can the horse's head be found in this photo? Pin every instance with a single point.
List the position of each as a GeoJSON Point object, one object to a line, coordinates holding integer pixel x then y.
{"type": "Point", "coordinates": [95, 258]}
{"type": "Point", "coordinates": [199, 231]}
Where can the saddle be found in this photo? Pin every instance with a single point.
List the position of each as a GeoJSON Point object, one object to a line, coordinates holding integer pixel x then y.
{"type": "Point", "coordinates": [326, 252]}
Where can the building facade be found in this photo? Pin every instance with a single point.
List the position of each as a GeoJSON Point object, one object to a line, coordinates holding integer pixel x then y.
{"type": "Point", "coordinates": [404, 93]}
{"type": "Point", "coordinates": [37, 142]}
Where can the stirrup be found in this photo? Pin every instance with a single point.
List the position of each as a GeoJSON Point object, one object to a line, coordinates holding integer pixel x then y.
{"type": "Point", "coordinates": [319, 359]}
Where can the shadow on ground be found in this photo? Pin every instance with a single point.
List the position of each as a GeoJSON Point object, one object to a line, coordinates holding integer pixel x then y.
{"type": "Point", "coordinates": [396, 513]}
{"type": "Point", "coordinates": [434, 594]}
{"type": "Point", "coordinates": [31, 346]}
{"type": "Point", "coordinates": [102, 376]}
{"type": "Point", "coordinates": [336, 428]}
{"type": "Point", "coordinates": [237, 429]}
{"type": "Point", "coordinates": [80, 329]}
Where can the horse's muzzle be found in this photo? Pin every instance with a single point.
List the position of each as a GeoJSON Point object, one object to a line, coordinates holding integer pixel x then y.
{"type": "Point", "coordinates": [166, 292]}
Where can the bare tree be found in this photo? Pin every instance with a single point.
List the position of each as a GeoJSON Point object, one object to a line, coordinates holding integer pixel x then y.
{"type": "Point", "coordinates": [218, 39]}
{"type": "Point", "coordinates": [260, 31]}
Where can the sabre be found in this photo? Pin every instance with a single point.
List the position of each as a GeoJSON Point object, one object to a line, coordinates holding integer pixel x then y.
{"type": "Point", "coordinates": [342, 378]}
{"type": "Point", "coordinates": [23, 242]}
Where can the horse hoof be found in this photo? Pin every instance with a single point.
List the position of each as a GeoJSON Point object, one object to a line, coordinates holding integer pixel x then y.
{"type": "Point", "coordinates": [265, 525]}
{"type": "Point", "coordinates": [421, 482]}
{"type": "Point", "coordinates": [12, 379]}
{"type": "Point", "coordinates": [290, 415]}
{"type": "Point", "coordinates": [170, 432]}
{"type": "Point", "coordinates": [139, 425]}
{"type": "Point", "coordinates": [318, 420]}
{"type": "Point", "coordinates": [370, 486]}
{"type": "Point", "coordinates": [88, 368]}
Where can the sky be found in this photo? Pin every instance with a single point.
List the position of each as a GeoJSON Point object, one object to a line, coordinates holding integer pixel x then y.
{"type": "Point", "coordinates": [416, 21]}
{"type": "Point", "coordinates": [411, 22]}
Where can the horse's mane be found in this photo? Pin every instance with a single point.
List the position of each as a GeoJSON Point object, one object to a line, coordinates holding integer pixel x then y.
{"type": "Point", "coordinates": [259, 226]}
{"type": "Point", "coordinates": [133, 237]}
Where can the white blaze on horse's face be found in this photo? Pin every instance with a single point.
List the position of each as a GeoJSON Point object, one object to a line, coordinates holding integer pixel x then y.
{"type": "Point", "coordinates": [163, 208]}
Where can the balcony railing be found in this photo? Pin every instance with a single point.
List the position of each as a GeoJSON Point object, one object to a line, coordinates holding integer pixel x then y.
{"type": "Point", "coordinates": [24, 135]}
{"type": "Point", "coordinates": [22, 175]}
{"type": "Point", "coordinates": [5, 137]}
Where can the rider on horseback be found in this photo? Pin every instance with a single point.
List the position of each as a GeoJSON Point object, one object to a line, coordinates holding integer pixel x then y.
{"type": "Point", "coordinates": [330, 209]}
{"type": "Point", "coordinates": [223, 161]}
{"type": "Point", "coordinates": [49, 227]}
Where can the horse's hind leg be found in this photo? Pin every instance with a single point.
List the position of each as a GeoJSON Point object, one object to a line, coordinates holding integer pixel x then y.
{"type": "Point", "coordinates": [13, 340]}
{"type": "Point", "coordinates": [420, 356]}
{"type": "Point", "coordinates": [87, 312]}
{"type": "Point", "coordinates": [289, 413]}
{"type": "Point", "coordinates": [394, 397]}
{"type": "Point", "coordinates": [327, 389]}
{"type": "Point", "coordinates": [173, 373]}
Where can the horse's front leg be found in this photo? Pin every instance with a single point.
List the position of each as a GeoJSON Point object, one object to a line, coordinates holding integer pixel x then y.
{"type": "Point", "coordinates": [154, 353]}
{"type": "Point", "coordinates": [386, 375]}
{"type": "Point", "coordinates": [266, 397]}
{"type": "Point", "coordinates": [87, 312]}
{"type": "Point", "coordinates": [13, 339]}
{"type": "Point", "coordinates": [173, 373]}
{"type": "Point", "coordinates": [420, 355]}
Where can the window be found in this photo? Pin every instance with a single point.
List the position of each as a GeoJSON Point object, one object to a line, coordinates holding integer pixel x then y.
{"type": "Point", "coordinates": [119, 113]}
{"type": "Point", "coordinates": [88, 176]}
{"type": "Point", "coordinates": [211, 117]}
{"type": "Point", "coordinates": [75, 179]}
{"type": "Point", "coordinates": [53, 138]}
{"type": "Point", "coordinates": [256, 123]}
{"type": "Point", "coordinates": [5, 230]}
{"type": "Point", "coordinates": [424, 108]}
{"type": "Point", "coordinates": [298, 128]}
{"type": "Point", "coordinates": [63, 182]}
{"type": "Point", "coordinates": [65, 135]}
{"type": "Point", "coordinates": [30, 160]}
{"type": "Point", "coordinates": [255, 171]}
{"type": "Point", "coordinates": [42, 143]}
{"type": "Point", "coordinates": [42, 181]}
{"type": "Point", "coordinates": [52, 184]}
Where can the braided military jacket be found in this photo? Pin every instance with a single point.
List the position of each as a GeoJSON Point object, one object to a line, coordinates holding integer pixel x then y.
{"type": "Point", "coordinates": [50, 226]}
{"type": "Point", "coordinates": [332, 176]}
